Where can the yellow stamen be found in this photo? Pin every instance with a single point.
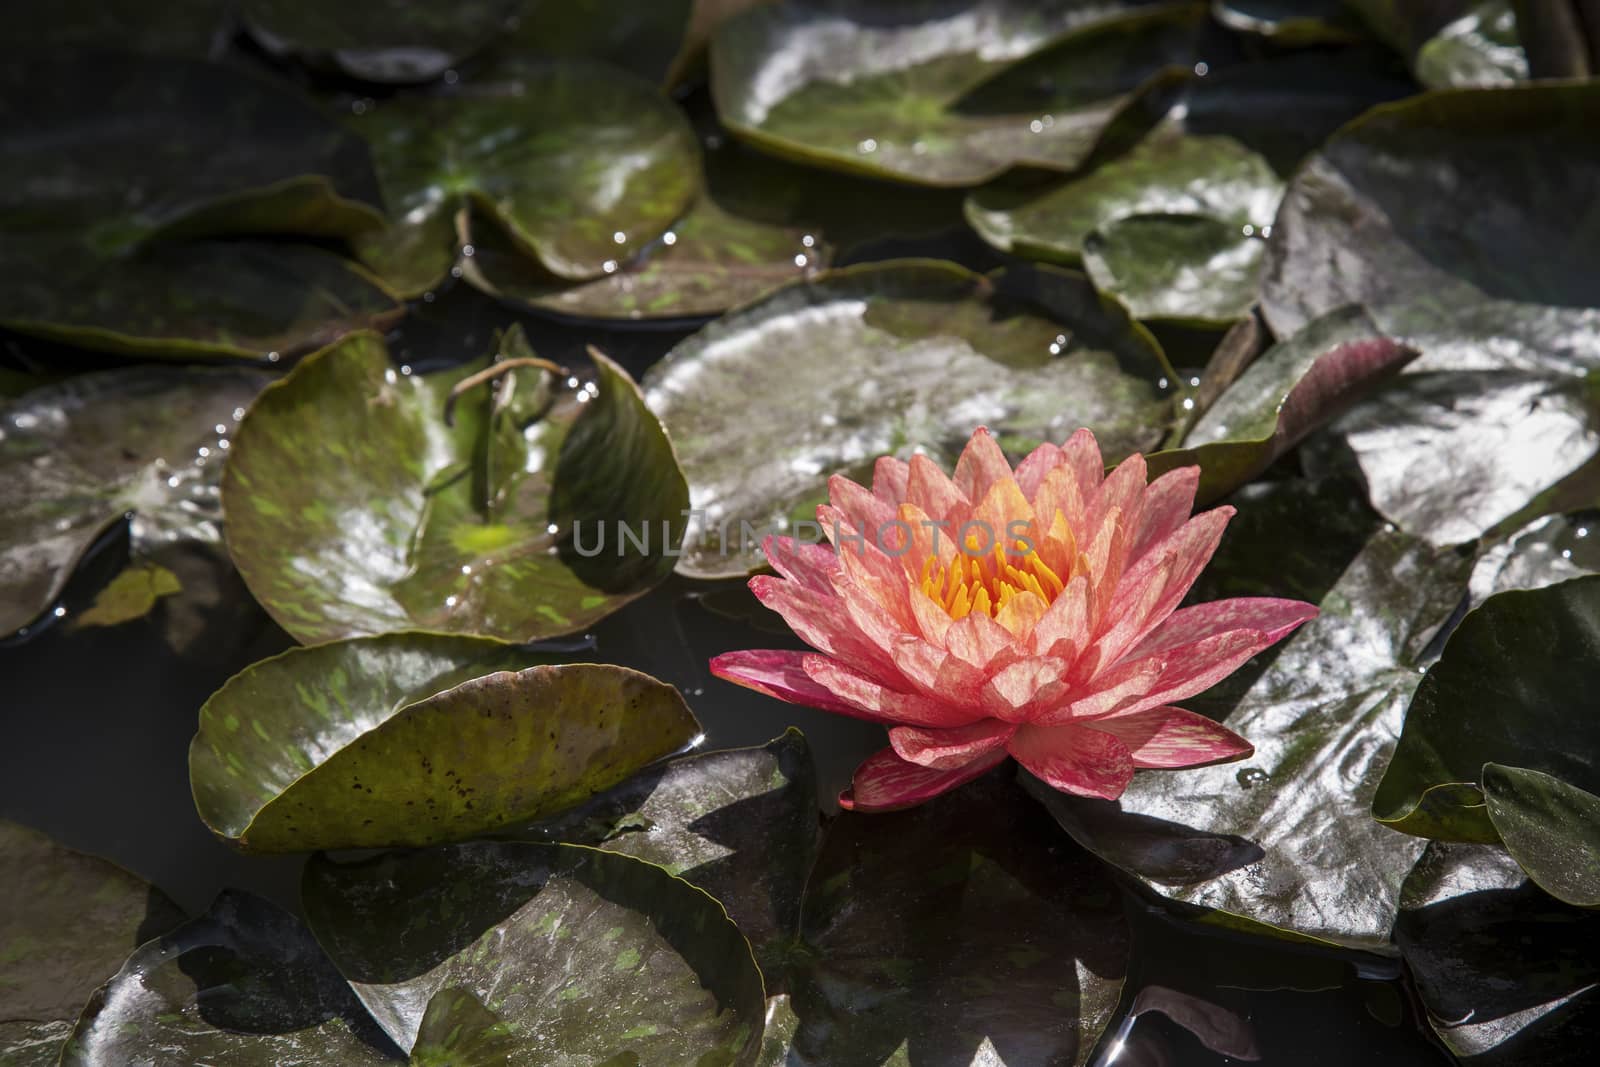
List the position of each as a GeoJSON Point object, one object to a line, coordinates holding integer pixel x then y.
{"type": "Point", "coordinates": [986, 583]}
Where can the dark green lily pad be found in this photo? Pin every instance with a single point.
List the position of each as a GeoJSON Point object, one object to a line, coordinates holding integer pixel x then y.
{"type": "Point", "coordinates": [964, 932]}
{"type": "Point", "coordinates": [379, 40]}
{"type": "Point", "coordinates": [1287, 840]}
{"type": "Point", "coordinates": [100, 256]}
{"type": "Point", "coordinates": [1290, 390]}
{"type": "Point", "coordinates": [413, 739]}
{"type": "Point", "coordinates": [1192, 269]}
{"type": "Point", "coordinates": [1502, 694]}
{"type": "Point", "coordinates": [67, 920]}
{"type": "Point", "coordinates": [1290, 22]}
{"type": "Point", "coordinates": [458, 1031]}
{"type": "Point", "coordinates": [1480, 49]}
{"type": "Point", "coordinates": [581, 165]}
{"type": "Point", "coordinates": [243, 984]}
{"type": "Point", "coordinates": [918, 354]}
{"type": "Point", "coordinates": [193, 29]}
{"type": "Point", "coordinates": [1508, 973]}
{"type": "Point", "coordinates": [923, 93]}
{"type": "Point", "coordinates": [759, 224]}
{"type": "Point", "coordinates": [77, 456]}
{"type": "Point", "coordinates": [740, 824]}
{"type": "Point", "coordinates": [353, 508]}
{"type": "Point", "coordinates": [587, 956]}
{"type": "Point", "coordinates": [643, 38]}
{"type": "Point", "coordinates": [1548, 550]}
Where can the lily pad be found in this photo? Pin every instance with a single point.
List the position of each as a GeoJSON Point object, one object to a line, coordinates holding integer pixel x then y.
{"type": "Point", "coordinates": [101, 256]}
{"type": "Point", "coordinates": [379, 40]}
{"type": "Point", "coordinates": [1287, 842]}
{"type": "Point", "coordinates": [67, 920]}
{"type": "Point", "coordinates": [1290, 390]}
{"type": "Point", "coordinates": [964, 932]}
{"type": "Point", "coordinates": [758, 224]}
{"type": "Point", "coordinates": [243, 984]}
{"type": "Point", "coordinates": [1507, 972]}
{"type": "Point", "coordinates": [354, 508]}
{"type": "Point", "coordinates": [1192, 269]}
{"type": "Point", "coordinates": [413, 739]}
{"type": "Point", "coordinates": [79, 455]}
{"type": "Point", "coordinates": [1478, 50]}
{"type": "Point", "coordinates": [917, 353]}
{"type": "Point", "coordinates": [1548, 550]}
{"type": "Point", "coordinates": [581, 165]}
{"type": "Point", "coordinates": [587, 956]}
{"type": "Point", "coordinates": [1490, 740]}
{"type": "Point", "coordinates": [740, 824]}
{"type": "Point", "coordinates": [923, 93]}
{"type": "Point", "coordinates": [643, 38]}
{"type": "Point", "coordinates": [458, 1031]}
{"type": "Point", "coordinates": [1290, 22]}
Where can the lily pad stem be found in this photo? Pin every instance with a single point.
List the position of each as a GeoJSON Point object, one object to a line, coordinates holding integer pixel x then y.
{"type": "Point", "coordinates": [489, 374]}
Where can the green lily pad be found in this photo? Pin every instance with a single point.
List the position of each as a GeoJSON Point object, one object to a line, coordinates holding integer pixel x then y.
{"type": "Point", "coordinates": [1192, 269]}
{"type": "Point", "coordinates": [101, 255]}
{"type": "Point", "coordinates": [1507, 972]}
{"type": "Point", "coordinates": [243, 984]}
{"type": "Point", "coordinates": [586, 956]}
{"type": "Point", "coordinates": [1290, 22]}
{"type": "Point", "coordinates": [77, 456]}
{"type": "Point", "coordinates": [1498, 704]}
{"type": "Point", "coordinates": [758, 224]}
{"type": "Point", "coordinates": [964, 932]}
{"type": "Point", "coordinates": [67, 920]}
{"type": "Point", "coordinates": [740, 824]}
{"type": "Point", "coordinates": [581, 165]}
{"type": "Point", "coordinates": [379, 40]}
{"type": "Point", "coordinates": [353, 508]}
{"type": "Point", "coordinates": [1480, 49]}
{"type": "Point", "coordinates": [918, 354]}
{"type": "Point", "coordinates": [1548, 550]}
{"type": "Point", "coordinates": [194, 29]}
{"type": "Point", "coordinates": [458, 1031]}
{"type": "Point", "coordinates": [922, 93]}
{"type": "Point", "coordinates": [1290, 390]}
{"type": "Point", "coordinates": [1287, 841]}
{"type": "Point", "coordinates": [413, 739]}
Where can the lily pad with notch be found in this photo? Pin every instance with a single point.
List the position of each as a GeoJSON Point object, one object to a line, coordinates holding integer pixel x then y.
{"type": "Point", "coordinates": [414, 739]}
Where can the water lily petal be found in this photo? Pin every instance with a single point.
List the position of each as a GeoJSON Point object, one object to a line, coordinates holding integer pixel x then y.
{"type": "Point", "coordinates": [815, 618]}
{"type": "Point", "coordinates": [881, 702]}
{"type": "Point", "coordinates": [1167, 503]}
{"type": "Point", "coordinates": [1171, 737]}
{"type": "Point", "coordinates": [978, 639]}
{"type": "Point", "coordinates": [1036, 465]}
{"type": "Point", "coordinates": [1183, 556]}
{"type": "Point", "coordinates": [885, 782]}
{"type": "Point", "coordinates": [1082, 456]}
{"type": "Point", "coordinates": [936, 672]}
{"type": "Point", "coordinates": [1064, 630]}
{"type": "Point", "coordinates": [1122, 491]}
{"type": "Point", "coordinates": [1012, 692]}
{"type": "Point", "coordinates": [860, 505]}
{"type": "Point", "coordinates": [812, 566]}
{"type": "Point", "coordinates": [1075, 759]}
{"type": "Point", "coordinates": [1196, 667]}
{"type": "Point", "coordinates": [1110, 691]}
{"type": "Point", "coordinates": [945, 750]}
{"type": "Point", "coordinates": [889, 479]}
{"type": "Point", "coordinates": [982, 465]}
{"type": "Point", "coordinates": [931, 489]}
{"type": "Point", "coordinates": [780, 673]}
{"type": "Point", "coordinates": [1273, 616]}
{"type": "Point", "coordinates": [1020, 614]}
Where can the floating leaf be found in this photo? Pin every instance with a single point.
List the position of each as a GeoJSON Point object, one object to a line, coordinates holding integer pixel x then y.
{"type": "Point", "coordinates": [1478, 50]}
{"type": "Point", "coordinates": [922, 93]}
{"type": "Point", "coordinates": [458, 1031]}
{"type": "Point", "coordinates": [1507, 972]}
{"type": "Point", "coordinates": [379, 40]}
{"type": "Point", "coordinates": [1288, 841]}
{"type": "Point", "coordinates": [1546, 551]}
{"type": "Point", "coordinates": [67, 920]}
{"type": "Point", "coordinates": [77, 456]}
{"type": "Point", "coordinates": [1188, 268]}
{"type": "Point", "coordinates": [1498, 705]}
{"type": "Point", "coordinates": [918, 353]}
{"type": "Point", "coordinates": [91, 253]}
{"type": "Point", "coordinates": [588, 957]}
{"type": "Point", "coordinates": [132, 594]}
{"type": "Point", "coordinates": [966, 931]}
{"type": "Point", "coordinates": [759, 223]}
{"type": "Point", "coordinates": [1289, 22]}
{"type": "Point", "coordinates": [740, 824]}
{"type": "Point", "coordinates": [1290, 390]}
{"type": "Point", "coordinates": [244, 984]}
{"type": "Point", "coordinates": [413, 739]}
{"type": "Point", "coordinates": [581, 166]}
{"type": "Point", "coordinates": [354, 508]}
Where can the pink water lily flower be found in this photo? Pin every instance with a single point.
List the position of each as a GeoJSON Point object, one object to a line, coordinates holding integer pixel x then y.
{"type": "Point", "coordinates": [1030, 613]}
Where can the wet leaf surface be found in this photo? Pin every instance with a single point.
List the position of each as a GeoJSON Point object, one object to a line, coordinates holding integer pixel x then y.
{"type": "Point", "coordinates": [1491, 745]}
{"type": "Point", "coordinates": [918, 353]}
{"type": "Point", "coordinates": [77, 456]}
{"type": "Point", "coordinates": [243, 984]}
{"type": "Point", "coordinates": [926, 94]}
{"type": "Point", "coordinates": [380, 40]}
{"type": "Point", "coordinates": [1286, 838]}
{"type": "Point", "coordinates": [966, 931]}
{"type": "Point", "coordinates": [642, 38]}
{"type": "Point", "coordinates": [588, 957]}
{"type": "Point", "coordinates": [1290, 22]}
{"type": "Point", "coordinates": [1480, 49]}
{"type": "Point", "coordinates": [580, 165]}
{"type": "Point", "coordinates": [414, 739]}
{"type": "Point", "coordinates": [1189, 268]}
{"type": "Point", "coordinates": [103, 256]}
{"type": "Point", "coordinates": [66, 922]}
{"type": "Point", "coordinates": [1546, 551]}
{"type": "Point", "coordinates": [353, 507]}
{"type": "Point", "coordinates": [1505, 970]}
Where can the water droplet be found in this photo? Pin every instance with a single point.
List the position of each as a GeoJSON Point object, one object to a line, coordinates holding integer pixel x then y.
{"type": "Point", "coordinates": [427, 298]}
{"type": "Point", "coordinates": [60, 612]}
{"type": "Point", "coordinates": [204, 452]}
{"type": "Point", "coordinates": [1266, 231]}
{"type": "Point", "coordinates": [620, 238]}
{"type": "Point", "coordinates": [389, 376]}
{"type": "Point", "coordinates": [238, 413]}
{"type": "Point", "coordinates": [466, 568]}
{"type": "Point", "coordinates": [609, 266]}
{"type": "Point", "coordinates": [1202, 68]}
{"type": "Point", "coordinates": [808, 241]}
{"type": "Point", "coordinates": [1250, 777]}
{"type": "Point", "coordinates": [358, 107]}
{"type": "Point", "coordinates": [800, 260]}
{"type": "Point", "coordinates": [552, 529]}
{"type": "Point", "coordinates": [1566, 553]}
{"type": "Point", "coordinates": [468, 251]}
{"type": "Point", "coordinates": [1188, 403]}
{"type": "Point", "coordinates": [449, 601]}
{"type": "Point", "coordinates": [1583, 531]}
{"type": "Point", "coordinates": [1036, 126]}
{"type": "Point", "coordinates": [455, 272]}
{"type": "Point", "coordinates": [451, 77]}
{"type": "Point", "coordinates": [405, 369]}
{"type": "Point", "coordinates": [222, 443]}
{"type": "Point", "coordinates": [1249, 230]}
{"type": "Point", "coordinates": [172, 483]}
{"type": "Point", "coordinates": [669, 238]}
{"type": "Point", "coordinates": [1194, 381]}
{"type": "Point", "coordinates": [273, 357]}
{"type": "Point", "coordinates": [1162, 384]}
{"type": "Point", "coordinates": [572, 383]}
{"type": "Point", "coordinates": [1055, 348]}
{"type": "Point", "coordinates": [867, 145]}
{"type": "Point", "coordinates": [221, 428]}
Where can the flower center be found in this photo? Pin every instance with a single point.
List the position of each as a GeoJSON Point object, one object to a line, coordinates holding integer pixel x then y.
{"type": "Point", "coordinates": [987, 582]}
